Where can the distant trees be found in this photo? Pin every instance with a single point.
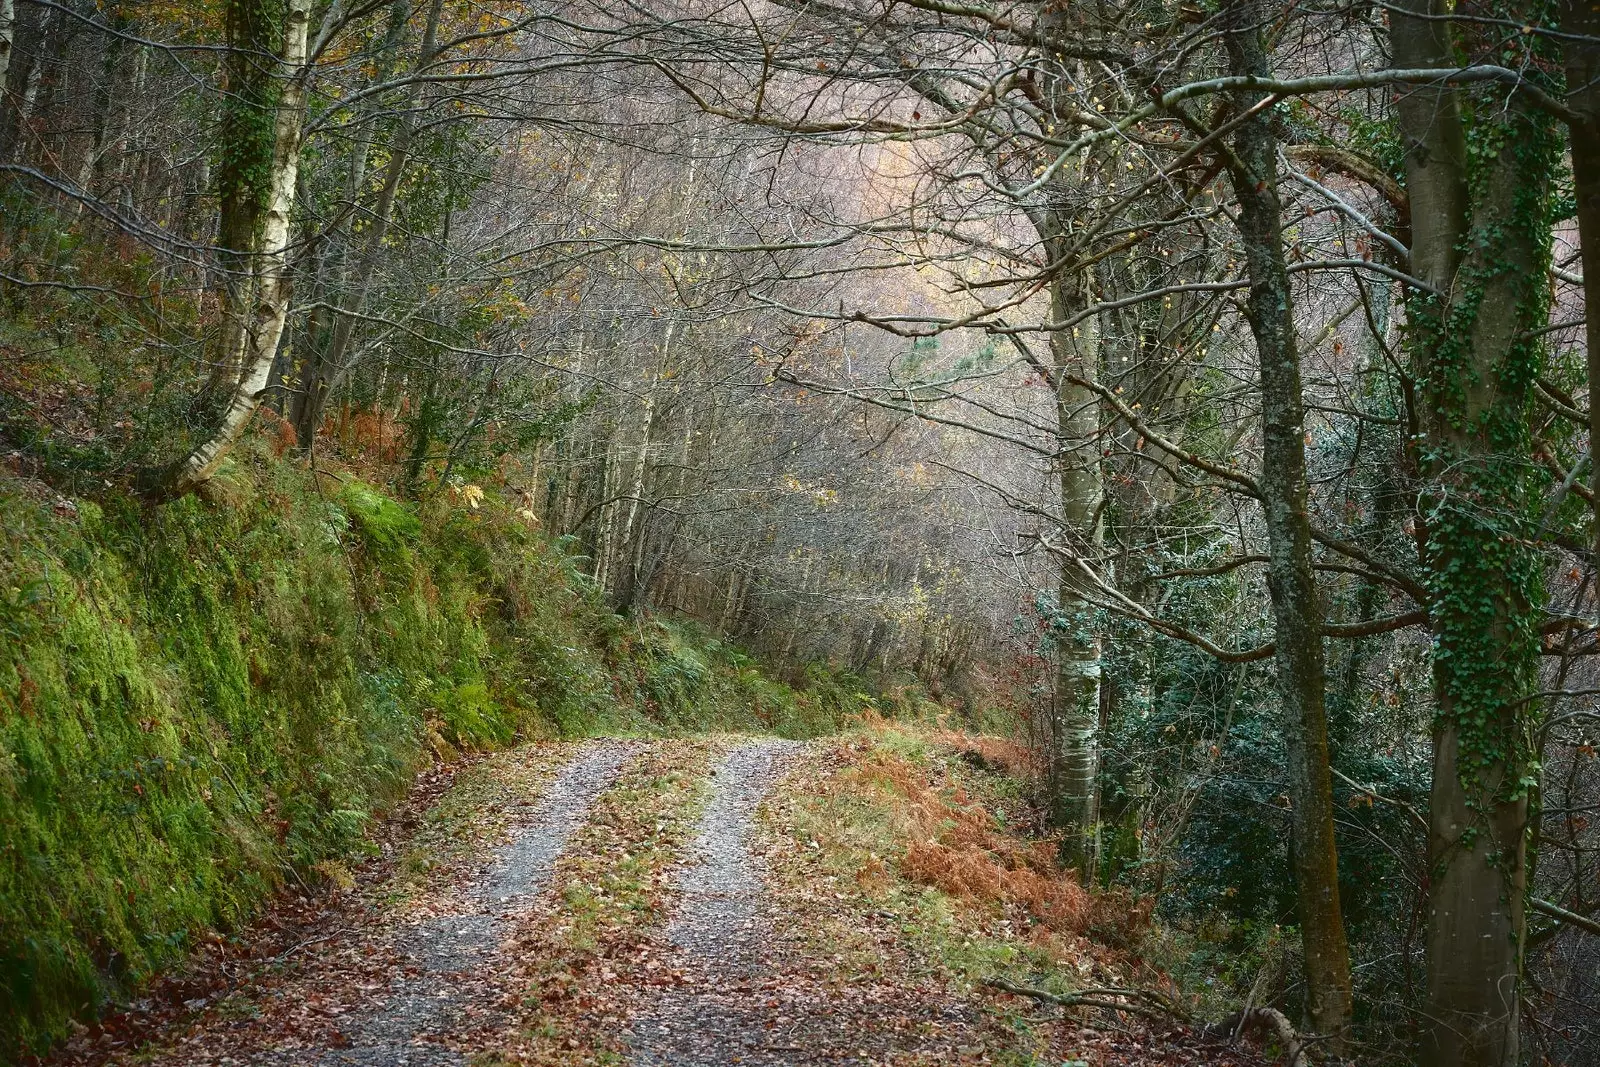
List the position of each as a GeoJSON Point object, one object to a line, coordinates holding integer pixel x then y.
{"type": "Point", "coordinates": [1351, 494]}
{"type": "Point", "coordinates": [466, 245]}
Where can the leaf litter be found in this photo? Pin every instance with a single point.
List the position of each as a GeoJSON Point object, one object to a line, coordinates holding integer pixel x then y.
{"type": "Point", "coordinates": [671, 903]}
{"type": "Point", "coordinates": [402, 970]}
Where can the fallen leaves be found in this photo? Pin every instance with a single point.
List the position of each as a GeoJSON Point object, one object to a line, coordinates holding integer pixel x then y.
{"type": "Point", "coordinates": [592, 947]}
{"type": "Point", "coordinates": [857, 850]}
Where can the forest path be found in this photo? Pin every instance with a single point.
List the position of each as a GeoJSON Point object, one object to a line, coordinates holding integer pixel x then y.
{"type": "Point", "coordinates": [607, 902]}
{"type": "Point", "coordinates": [433, 993]}
{"type": "Point", "coordinates": [404, 971]}
{"type": "Point", "coordinates": [742, 992]}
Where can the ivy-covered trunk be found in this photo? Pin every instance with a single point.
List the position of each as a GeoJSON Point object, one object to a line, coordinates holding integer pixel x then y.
{"type": "Point", "coordinates": [244, 166]}
{"type": "Point", "coordinates": [1480, 186]}
{"type": "Point", "coordinates": [1296, 611]}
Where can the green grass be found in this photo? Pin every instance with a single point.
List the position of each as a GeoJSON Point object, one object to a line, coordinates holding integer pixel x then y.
{"type": "Point", "coordinates": [200, 702]}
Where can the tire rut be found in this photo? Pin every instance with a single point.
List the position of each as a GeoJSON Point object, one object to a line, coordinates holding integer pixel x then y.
{"type": "Point", "coordinates": [431, 996]}
{"type": "Point", "coordinates": [721, 931]}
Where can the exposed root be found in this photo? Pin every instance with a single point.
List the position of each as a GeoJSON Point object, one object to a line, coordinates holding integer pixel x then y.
{"type": "Point", "coordinates": [1153, 1005]}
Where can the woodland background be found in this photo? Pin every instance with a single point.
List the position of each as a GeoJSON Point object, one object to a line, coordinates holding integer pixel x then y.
{"type": "Point", "coordinates": [1199, 391]}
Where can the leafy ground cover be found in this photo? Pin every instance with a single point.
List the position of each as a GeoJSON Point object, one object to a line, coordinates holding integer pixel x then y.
{"type": "Point", "coordinates": [909, 854]}
{"type": "Point", "coordinates": [841, 942]}
{"type": "Point", "coordinates": [590, 947]}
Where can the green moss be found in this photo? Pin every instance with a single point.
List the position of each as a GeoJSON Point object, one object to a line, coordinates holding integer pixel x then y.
{"type": "Point", "coordinates": [197, 700]}
{"type": "Point", "coordinates": [389, 530]}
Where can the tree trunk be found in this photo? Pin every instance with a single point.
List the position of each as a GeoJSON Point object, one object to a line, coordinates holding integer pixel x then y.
{"type": "Point", "coordinates": [8, 30]}
{"type": "Point", "coordinates": [264, 327]}
{"type": "Point", "coordinates": [325, 368]}
{"type": "Point", "coordinates": [247, 172]}
{"type": "Point", "coordinates": [632, 539]}
{"type": "Point", "coordinates": [1072, 761]}
{"type": "Point", "coordinates": [90, 166]}
{"type": "Point", "coordinates": [1074, 758]}
{"type": "Point", "coordinates": [1484, 249]}
{"type": "Point", "coordinates": [1296, 611]}
{"type": "Point", "coordinates": [1581, 19]}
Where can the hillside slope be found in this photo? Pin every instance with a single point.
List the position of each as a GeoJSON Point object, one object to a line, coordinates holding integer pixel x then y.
{"type": "Point", "coordinates": [202, 703]}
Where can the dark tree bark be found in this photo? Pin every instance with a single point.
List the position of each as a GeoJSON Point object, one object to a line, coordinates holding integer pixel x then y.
{"type": "Point", "coordinates": [1296, 611]}
{"type": "Point", "coordinates": [1581, 18]}
{"type": "Point", "coordinates": [1481, 243]}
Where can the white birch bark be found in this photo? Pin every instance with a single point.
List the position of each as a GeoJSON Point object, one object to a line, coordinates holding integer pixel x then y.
{"type": "Point", "coordinates": [630, 550]}
{"type": "Point", "coordinates": [270, 308]}
{"type": "Point", "coordinates": [8, 29]}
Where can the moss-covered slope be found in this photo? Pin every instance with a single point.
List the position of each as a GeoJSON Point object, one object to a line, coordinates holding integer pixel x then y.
{"type": "Point", "coordinates": [200, 702]}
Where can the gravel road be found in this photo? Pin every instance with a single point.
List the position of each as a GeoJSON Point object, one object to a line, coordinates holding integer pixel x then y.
{"type": "Point", "coordinates": [429, 997]}
{"type": "Point", "coordinates": [722, 931]}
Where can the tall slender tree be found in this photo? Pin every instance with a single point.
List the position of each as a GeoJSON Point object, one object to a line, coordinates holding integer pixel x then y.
{"type": "Point", "coordinates": [1285, 496]}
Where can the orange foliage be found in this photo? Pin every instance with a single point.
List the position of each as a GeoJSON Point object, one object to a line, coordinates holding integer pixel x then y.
{"type": "Point", "coordinates": [991, 753]}
{"type": "Point", "coordinates": [279, 430]}
{"type": "Point", "coordinates": [973, 873]}
{"type": "Point", "coordinates": [373, 435]}
{"type": "Point", "coordinates": [958, 847]}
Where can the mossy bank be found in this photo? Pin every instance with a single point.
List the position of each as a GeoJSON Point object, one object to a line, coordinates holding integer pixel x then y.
{"type": "Point", "coordinates": [202, 702]}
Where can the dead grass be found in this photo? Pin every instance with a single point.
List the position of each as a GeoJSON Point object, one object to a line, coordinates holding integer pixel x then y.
{"type": "Point", "coordinates": [991, 753]}
{"type": "Point", "coordinates": [955, 843]}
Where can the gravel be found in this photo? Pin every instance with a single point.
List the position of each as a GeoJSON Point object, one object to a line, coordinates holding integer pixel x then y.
{"type": "Point", "coordinates": [722, 931]}
{"type": "Point", "coordinates": [431, 996]}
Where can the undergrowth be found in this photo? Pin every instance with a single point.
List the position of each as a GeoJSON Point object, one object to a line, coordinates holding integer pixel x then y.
{"type": "Point", "coordinates": [201, 703]}
{"type": "Point", "coordinates": [932, 828]}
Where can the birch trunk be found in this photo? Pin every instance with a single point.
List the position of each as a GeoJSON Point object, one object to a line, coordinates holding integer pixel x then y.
{"type": "Point", "coordinates": [270, 308]}
{"type": "Point", "coordinates": [1297, 613]}
{"type": "Point", "coordinates": [14, 123]}
{"type": "Point", "coordinates": [606, 518]}
{"type": "Point", "coordinates": [1074, 762]}
{"type": "Point", "coordinates": [631, 544]}
{"type": "Point", "coordinates": [8, 30]}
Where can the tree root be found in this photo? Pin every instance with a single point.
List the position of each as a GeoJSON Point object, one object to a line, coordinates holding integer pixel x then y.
{"type": "Point", "coordinates": [1275, 1023]}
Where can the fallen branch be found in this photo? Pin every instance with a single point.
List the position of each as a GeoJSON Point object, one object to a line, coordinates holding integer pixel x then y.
{"type": "Point", "coordinates": [1271, 1020]}
{"type": "Point", "coordinates": [1562, 915]}
{"type": "Point", "coordinates": [1154, 1005]}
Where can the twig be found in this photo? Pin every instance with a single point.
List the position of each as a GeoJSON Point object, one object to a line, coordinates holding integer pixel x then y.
{"type": "Point", "coordinates": [292, 949]}
{"type": "Point", "coordinates": [1155, 1006]}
